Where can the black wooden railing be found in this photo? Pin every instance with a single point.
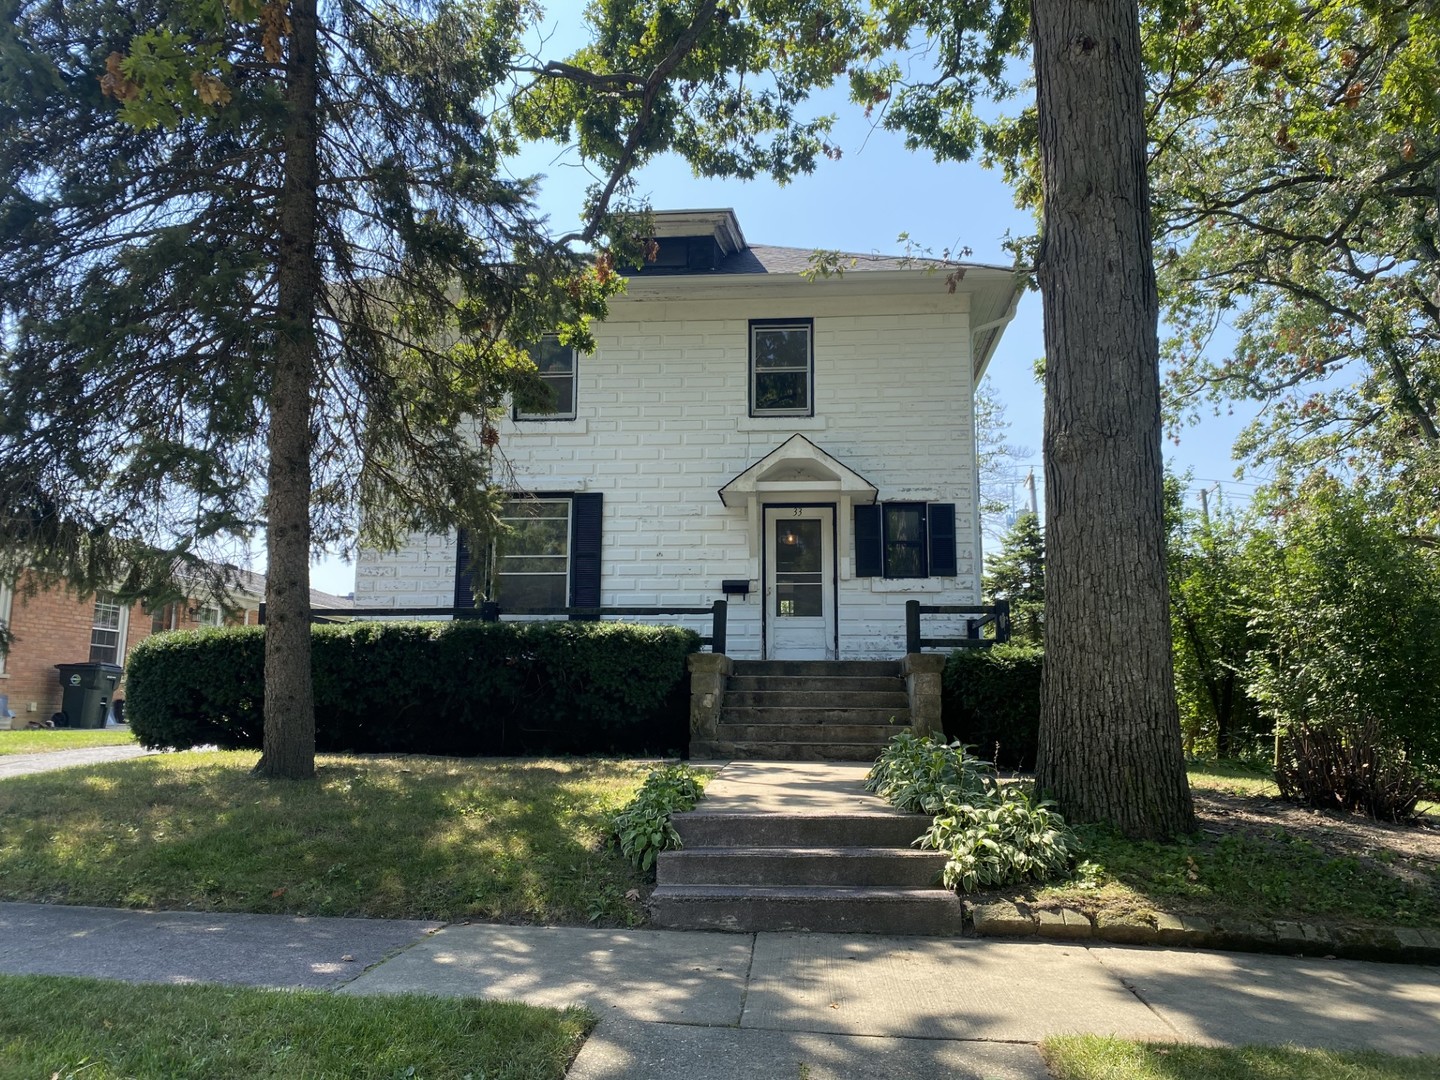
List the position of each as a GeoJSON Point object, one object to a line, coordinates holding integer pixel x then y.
{"type": "Point", "coordinates": [996, 614]}
{"type": "Point", "coordinates": [491, 612]}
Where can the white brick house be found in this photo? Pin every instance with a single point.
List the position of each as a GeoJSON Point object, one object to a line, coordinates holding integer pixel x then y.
{"type": "Point", "coordinates": [813, 440]}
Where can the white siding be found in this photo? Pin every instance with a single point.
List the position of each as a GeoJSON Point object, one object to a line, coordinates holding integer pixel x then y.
{"type": "Point", "coordinates": [662, 423]}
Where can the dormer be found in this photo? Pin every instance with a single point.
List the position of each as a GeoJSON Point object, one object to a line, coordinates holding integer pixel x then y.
{"type": "Point", "coordinates": [693, 241]}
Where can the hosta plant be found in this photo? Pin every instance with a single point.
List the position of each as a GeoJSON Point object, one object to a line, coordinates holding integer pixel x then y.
{"type": "Point", "coordinates": [1001, 839]}
{"type": "Point", "coordinates": [922, 774]}
{"type": "Point", "coordinates": [642, 828]}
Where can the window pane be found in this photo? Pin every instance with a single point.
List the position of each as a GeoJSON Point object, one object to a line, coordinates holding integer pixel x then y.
{"type": "Point", "coordinates": [799, 601]}
{"type": "Point", "coordinates": [545, 536]}
{"type": "Point", "coordinates": [537, 508]}
{"type": "Point", "coordinates": [904, 523]}
{"type": "Point", "coordinates": [797, 546]}
{"type": "Point", "coordinates": [905, 561]}
{"type": "Point", "coordinates": [777, 390]}
{"type": "Point", "coordinates": [107, 612]}
{"type": "Point", "coordinates": [534, 564]}
{"type": "Point", "coordinates": [532, 591]}
{"type": "Point", "coordinates": [553, 358]}
{"type": "Point", "coordinates": [782, 347]}
{"type": "Point", "coordinates": [562, 390]}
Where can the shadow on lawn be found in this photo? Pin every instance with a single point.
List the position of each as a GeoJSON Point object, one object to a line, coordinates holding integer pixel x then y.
{"type": "Point", "coordinates": [382, 837]}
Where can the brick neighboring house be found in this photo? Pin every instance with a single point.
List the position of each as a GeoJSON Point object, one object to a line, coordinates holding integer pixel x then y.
{"type": "Point", "coordinates": [54, 626]}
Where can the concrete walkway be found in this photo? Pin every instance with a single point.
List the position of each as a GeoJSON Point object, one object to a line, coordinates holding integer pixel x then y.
{"type": "Point", "coordinates": [714, 1006]}
{"type": "Point", "coordinates": [29, 764]}
{"type": "Point", "coordinates": [728, 1006]}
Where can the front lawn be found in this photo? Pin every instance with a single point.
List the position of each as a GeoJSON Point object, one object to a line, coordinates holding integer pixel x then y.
{"type": "Point", "coordinates": [44, 740]}
{"type": "Point", "coordinates": [1092, 1057]}
{"type": "Point", "coordinates": [506, 840]}
{"type": "Point", "coordinates": [1256, 857]}
{"type": "Point", "coordinates": [94, 1030]}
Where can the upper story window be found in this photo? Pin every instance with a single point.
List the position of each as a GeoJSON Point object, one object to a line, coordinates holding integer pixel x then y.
{"type": "Point", "coordinates": [782, 367]}
{"type": "Point", "coordinates": [106, 633]}
{"type": "Point", "coordinates": [556, 364]}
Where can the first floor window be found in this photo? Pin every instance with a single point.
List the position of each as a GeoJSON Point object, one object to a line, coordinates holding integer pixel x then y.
{"type": "Point", "coordinates": [904, 526]}
{"type": "Point", "coordinates": [781, 368]}
{"type": "Point", "coordinates": [534, 554]}
{"type": "Point", "coordinates": [905, 540]}
{"type": "Point", "coordinates": [556, 391]}
{"type": "Point", "coordinates": [105, 629]}
{"type": "Point", "coordinates": [210, 616]}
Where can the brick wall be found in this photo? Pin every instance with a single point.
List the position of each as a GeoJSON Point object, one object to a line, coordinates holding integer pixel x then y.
{"type": "Point", "coordinates": [663, 422]}
{"type": "Point", "coordinates": [53, 627]}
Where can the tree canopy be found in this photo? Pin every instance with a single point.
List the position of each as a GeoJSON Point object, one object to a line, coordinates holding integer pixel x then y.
{"type": "Point", "coordinates": [262, 266]}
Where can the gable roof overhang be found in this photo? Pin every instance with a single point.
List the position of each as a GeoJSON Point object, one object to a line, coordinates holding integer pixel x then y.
{"type": "Point", "coordinates": [797, 470]}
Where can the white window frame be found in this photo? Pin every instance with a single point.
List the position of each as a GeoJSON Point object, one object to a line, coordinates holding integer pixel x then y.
{"type": "Point", "coordinates": [7, 599]}
{"type": "Point", "coordinates": [760, 326]}
{"type": "Point", "coordinates": [208, 612]}
{"type": "Point", "coordinates": [572, 377]}
{"type": "Point", "coordinates": [122, 619]}
{"type": "Point", "coordinates": [500, 555]}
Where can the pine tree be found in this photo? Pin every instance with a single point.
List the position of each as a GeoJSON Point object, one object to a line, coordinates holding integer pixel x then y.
{"type": "Point", "coordinates": [1017, 573]}
{"type": "Point", "coordinates": [262, 267]}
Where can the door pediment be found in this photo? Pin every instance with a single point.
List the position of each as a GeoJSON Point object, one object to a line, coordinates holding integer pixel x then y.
{"type": "Point", "coordinates": [797, 470]}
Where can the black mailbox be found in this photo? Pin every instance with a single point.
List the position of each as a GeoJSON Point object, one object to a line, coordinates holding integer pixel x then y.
{"type": "Point", "coordinates": [735, 587]}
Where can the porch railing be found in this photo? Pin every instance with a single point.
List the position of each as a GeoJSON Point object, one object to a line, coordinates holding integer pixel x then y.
{"type": "Point", "coordinates": [491, 612]}
{"type": "Point", "coordinates": [996, 615]}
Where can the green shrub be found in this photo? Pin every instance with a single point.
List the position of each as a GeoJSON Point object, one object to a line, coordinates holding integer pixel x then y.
{"type": "Point", "coordinates": [992, 702]}
{"type": "Point", "coordinates": [994, 834]}
{"type": "Point", "coordinates": [642, 828]}
{"type": "Point", "coordinates": [461, 688]}
{"type": "Point", "coordinates": [922, 775]}
{"type": "Point", "coordinates": [1001, 839]}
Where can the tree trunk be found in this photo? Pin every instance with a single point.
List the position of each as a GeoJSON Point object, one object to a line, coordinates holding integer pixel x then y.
{"type": "Point", "coordinates": [1110, 748]}
{"type": "Point", "coordinates": [289, 743]}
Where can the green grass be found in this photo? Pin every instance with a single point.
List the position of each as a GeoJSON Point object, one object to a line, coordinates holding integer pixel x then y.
{"type": "Point", "coordinates": [45, 741]}
{"type": "Point", "coordinates": [92, 1030]}
{"type": "Point", "coordinates": [512, 840]}
{"type": "Point", "coordinates": [1279, 874]}
{"type": "Point", "coordinates": [1092, 1057]}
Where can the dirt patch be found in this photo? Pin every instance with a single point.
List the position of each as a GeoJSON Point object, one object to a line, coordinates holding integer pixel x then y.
{"type": "Point", "coordinates": [1337, 834]}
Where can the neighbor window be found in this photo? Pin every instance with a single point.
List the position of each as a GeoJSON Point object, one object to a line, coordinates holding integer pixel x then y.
{"type": "Point", "coordinates": [534, 551]}
{"type": "Point", "coordinates": [210, 616]}
{"type": "Point", "coordinates": [6, 597]}
{"type": "Point", "coordinates": [105, 629]}
{"type": "Point", "coordinates": [781, 368]}
{"type": "Point", "coordinates": [556, 364]}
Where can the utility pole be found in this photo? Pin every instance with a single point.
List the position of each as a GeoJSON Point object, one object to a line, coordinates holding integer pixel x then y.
{"type": "Point", "coordinates": [1030, 486]}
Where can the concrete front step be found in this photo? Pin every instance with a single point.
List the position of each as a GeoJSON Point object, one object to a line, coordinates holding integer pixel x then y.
{"type": "Point", "coordinates": [876, 735]}
{"type": "Point", "coordinates": [815, 699]}
{"type": "Point", "coordinates": [900, 716]}
{"type": "Point", "coordinates": [815, 683]}
{"type": "Point", "coordinates": [836, 909]}
{"type": "Point", "coordinates": [880, 829]}
{"type": "Point", "coordinates": [826, 668]}
{"type": "Point", "coordinates": [882, 866]}
{"type": "Point", "coordinates": [729, 750]}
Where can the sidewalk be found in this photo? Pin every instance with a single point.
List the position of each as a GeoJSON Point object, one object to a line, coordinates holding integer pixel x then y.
{"type": "Point", "coordinates": [725, 1006]}
{"type": "Point", "coordinates": [49, 761]}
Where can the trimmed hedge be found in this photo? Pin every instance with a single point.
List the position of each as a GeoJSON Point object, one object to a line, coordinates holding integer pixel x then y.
{"type": "Point", "coordinates": [453, 688]}
{"type": "Point", "coordinates": [992, 696]}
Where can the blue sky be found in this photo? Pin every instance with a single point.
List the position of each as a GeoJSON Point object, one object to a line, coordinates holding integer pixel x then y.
{"type": "Point", "coordinates": [862, 203]}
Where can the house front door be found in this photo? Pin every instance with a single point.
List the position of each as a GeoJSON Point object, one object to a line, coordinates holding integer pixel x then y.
{"type": "Point", "coordinates": [800, 583]}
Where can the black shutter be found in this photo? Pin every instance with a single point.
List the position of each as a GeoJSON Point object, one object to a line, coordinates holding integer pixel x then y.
{"type": "Point", "coordinates": [943, 562]}
{"type": "Point", "coordinates": [586, 515]}
{"type": "Point", "coordinates": [464, 573]}
{"type": "Point", "coordinates": [869, 550]}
